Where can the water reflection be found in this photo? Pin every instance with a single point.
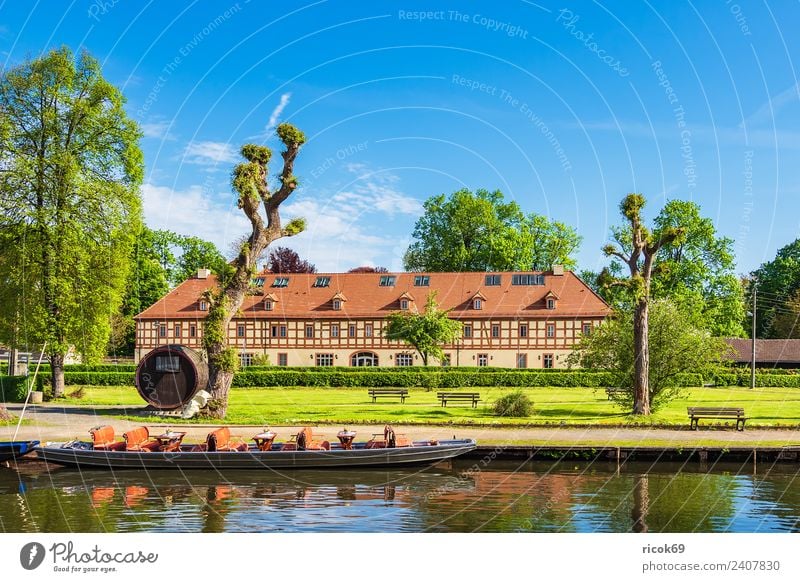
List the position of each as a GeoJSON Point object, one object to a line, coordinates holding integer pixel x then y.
{"type": "Point", "coordinates": [453, 497]}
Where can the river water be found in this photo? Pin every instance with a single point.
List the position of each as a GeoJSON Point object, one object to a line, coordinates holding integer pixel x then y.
{"type": "Point", "coordinates": [450, 497]}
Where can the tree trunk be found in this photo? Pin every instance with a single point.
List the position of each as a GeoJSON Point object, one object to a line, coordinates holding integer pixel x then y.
{"type": "Point", "coordinates": [641, 365]}
{"type": "Point", "coordinates": [641, 504]}
{"type": "Point", "coordinates": [219, 385]}
{"type": "Point", "coordinates": [57, 374]}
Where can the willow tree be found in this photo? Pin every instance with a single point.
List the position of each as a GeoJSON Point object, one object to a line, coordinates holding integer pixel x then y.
{"type": "Point", "coordinates": [70, 170]}
{"type": "Point", "coordinates": [250, 181]}
{"type": "Point", "coordinates": [637, 248]}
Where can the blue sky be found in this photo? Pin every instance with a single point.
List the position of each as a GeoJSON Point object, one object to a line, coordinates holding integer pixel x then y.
{"type": "Point", "coordinates": [565, 107]}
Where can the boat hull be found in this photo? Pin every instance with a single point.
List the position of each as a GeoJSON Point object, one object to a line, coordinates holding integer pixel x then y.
{"type": "Point", "coordinates": [255, 459]}
{"type": "Point", "coordinates": [15, 449]}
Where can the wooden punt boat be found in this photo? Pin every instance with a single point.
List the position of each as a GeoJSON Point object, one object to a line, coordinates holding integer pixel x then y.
{"type": "Point", "coordinates": [15, 449]}
{"type": "Point", "coordinates": [221, 452]}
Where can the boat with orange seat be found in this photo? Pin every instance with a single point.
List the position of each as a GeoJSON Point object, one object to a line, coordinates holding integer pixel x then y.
{"type": "Point", "coordinates": [222, 451]}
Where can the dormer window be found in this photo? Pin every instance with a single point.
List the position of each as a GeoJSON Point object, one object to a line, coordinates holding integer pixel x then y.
{"type": "Point", "coordinates": [387, 281]}
{"type": "Point", "coordinates": [281, 282]}
{"type": "Point", "coordinates": [322, 282]}
{"type": "Point", "coordinates": [551, 303]}
{"type": "Point", "coordinates": [404, 304]}
{"type": "Point", "coordinates": [337, 304]}
{"type": "Point", "coordinates": [203, 305]}
{"type": "Point", "coordinates": [477, 303]}
{"type": "Point", "coordinates": [269, 304]}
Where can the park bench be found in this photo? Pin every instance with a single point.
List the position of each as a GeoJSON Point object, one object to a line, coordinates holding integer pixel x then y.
{"type": "Point", "coordinates": [611, 391]}
{"type": "Point", "coordinates": [401, 393]}
{"type": "Point", "coordinates": [472, 397]}
{"type": "Point", "coordinates": [698, 412]}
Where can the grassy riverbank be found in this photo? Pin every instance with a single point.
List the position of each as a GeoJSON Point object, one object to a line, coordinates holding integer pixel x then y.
{"type": "Point", "coordinates": [765, 407]}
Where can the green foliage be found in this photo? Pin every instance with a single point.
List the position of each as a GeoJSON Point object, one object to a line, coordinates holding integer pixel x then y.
{"type": "Point", "coordinates": [290, 135]}
{"type": "Point", "coordinates": [69, 202]}
{"type": "Point", "coordinates": [786, 323]}
{"type": "Point", "coordinates": [778, 283]}
{"type": "Point", "coordinates": [482, 232]}
{"type": "Point", "coordinates": [295, 226]}
{"type": "Point", "coordinates": [426, 331]}
{"type": "Point", "coordinates": [256, 153]}
{"type": "Point", "coordinates": [14, 388]}
{"type": "Point", "coordinates": [676, 349]}
{"type": "Point", "coordinates": [516, 404]}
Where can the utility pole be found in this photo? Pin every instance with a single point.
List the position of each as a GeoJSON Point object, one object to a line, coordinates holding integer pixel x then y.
{"type": "Point", "coordinates": [753, 350]}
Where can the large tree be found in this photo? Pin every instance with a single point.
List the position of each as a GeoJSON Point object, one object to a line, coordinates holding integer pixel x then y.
{"type": "Point", "coordinates": [697, 271]}
{"type": "Point", "coordinates": [426, 332]}
{"type": "Point", "coordinates": [675, 347]}
{"type": "Point", "coordinates": [250, 181]}
{"type": "Point", "coordinates": [70, 170]}
{"type": "Point", "coordinates": [637, 247]}
{"type": "Point", "coordinates": [286, 260]}
{"type": "Point", "coordinates": [776, 282]}
{"type": "Point", "coordinates": [482, 232]}
{"type": "Point", "coordinates": [368, 269]}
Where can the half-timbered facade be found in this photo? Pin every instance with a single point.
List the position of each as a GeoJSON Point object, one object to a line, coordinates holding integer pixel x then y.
{"type": "Point", "coordinates": [513, 320]}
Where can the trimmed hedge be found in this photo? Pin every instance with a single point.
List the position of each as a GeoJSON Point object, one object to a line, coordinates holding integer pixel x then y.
{"type": "Point", "coordinates": [762, 380]}
{"type": "Point", "coordinates": [13, 388]}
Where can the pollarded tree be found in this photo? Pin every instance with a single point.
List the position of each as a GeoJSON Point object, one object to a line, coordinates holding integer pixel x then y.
{"type": "Point", "coordinates": [637, 248]}
{"type": "Point", "coordinates": [426, 331]}
{"type": "Point", "coordinates": [250, 181]}
{"type": "Point", "coordinates": [70, 170]}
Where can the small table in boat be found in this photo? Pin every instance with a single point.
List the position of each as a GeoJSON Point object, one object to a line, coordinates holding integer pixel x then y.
{"type": "Point", "coordinates": [170, 441]}
{"type": "Point", "coordinates": [264, 440]}
{"type": "Point", "coordinates": [346, 438]}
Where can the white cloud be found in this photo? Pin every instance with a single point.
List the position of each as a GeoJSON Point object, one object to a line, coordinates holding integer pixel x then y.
{"type": "Point", "coordinates": [204, 152]}
{"type": "Point", "coordinates": [156, 130]}
{"type": "Point", "coordinates": [773, 105]}
{"type": "Point", "coordinates": [375, 191]}
{"type": "Point", "coordinates": [276, 113]}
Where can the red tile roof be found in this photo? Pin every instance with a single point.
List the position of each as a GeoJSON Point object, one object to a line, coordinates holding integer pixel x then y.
{"type": "Point", "coordinates": [768, 351]}
{"type": "Point", "coordinates": [366, 298]}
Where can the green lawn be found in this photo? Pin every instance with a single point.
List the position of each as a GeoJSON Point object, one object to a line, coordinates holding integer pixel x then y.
{"type": "Point", "coordinates": [553, 406]}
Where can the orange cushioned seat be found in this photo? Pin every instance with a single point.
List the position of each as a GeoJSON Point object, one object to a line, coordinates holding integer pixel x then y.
{"type": "Point", "coordinates": [221, 440]}
{"type": "Point", "coordinates": [138, 439]}
{"type": "Point", "coordinates": [305, 441]}
{"type": "Point", "coordinates": [103, 439]}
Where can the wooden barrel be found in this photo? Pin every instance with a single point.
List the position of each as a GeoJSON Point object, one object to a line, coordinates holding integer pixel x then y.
{"type": "Point", "coordinates": [169, 376]}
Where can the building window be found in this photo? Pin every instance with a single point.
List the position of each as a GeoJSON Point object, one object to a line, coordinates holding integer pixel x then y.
{"type": "Point", "coordinates": [281, 282]}
{"type": "Point", "coordinates": [477, 303]}
{"type": "Point", "coordinates": [551, 303]}
{"type": "Point", "coordinates": [283, 359]}
{"type": "Point", "coordinates": [324, 360]}
{"type": "Point", "coordinates": [268, 304]}
{"type": "Point", "coordinates": [483, 360]}
{"type": "Point", "coordinates": [168, 364]}
{"type": "Point", "coordinates": [522, 360]}
{"type": "Point", "coordinates": [492, 280]}
{"type": "Point", "coordinates": [162, 330]}
{"type": "Point", "coordinates": [364, 359]}
{"type": "Point", "coordinates": [337, 304]}
{"type": "Point", "coordinates": [404, 304]}
{"type": "Point", "coordinates": [334, 330]}
{"type": "Point", "coordinates": [495, 330]}
{"type": "Point", "coordinates": [278, 331]}
{"type": "Point", "coordinates": [240, 330]}
{"type": "Point", "coordinates": [421, 281]}
{"type": "Point", "coordinates": [257, 281]}
{"type": "Point", "coordinates": [351, 331]}
{"type": "Point", "coordinates": [309, 331]}
{"type": "Point", "coordinates": [204, 306]}
{"type": "Point", "coordinates": [587, 328]}
{"type": "Point", "coordinates": [548, 360]}
{"type": "Point", "coordinates": [403, 360]}
{"type": "Point", "coordinates": [551, 330]}
{"type": "Point", "coordinates": [367, 330]}
{"type": "Point", "coordinates": [523, 330]}
{"type": "Point", "coordinates": [177, 330]}
{"type": "Point", "coordinates": [245, 360]}
{"type": "Point", "coordinates": [387, 281]}
{"type": "Point", "coordinates": [192, 331]}
{"type": "Point", "coordinates": [527, 279]}
{"type": "Point", "coordinates": [446, 360]}
{"type": "Point", "coordinates": [467, 331]}
{"type": "Point", "coordinates": [322, 282]}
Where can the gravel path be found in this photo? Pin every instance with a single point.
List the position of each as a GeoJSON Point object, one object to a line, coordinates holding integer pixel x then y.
{"type": "Point", "coordinates": [58, 423]}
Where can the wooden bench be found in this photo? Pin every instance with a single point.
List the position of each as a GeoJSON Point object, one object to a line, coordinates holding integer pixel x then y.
{"type": "Point", "coordinates": [698, 412]}
{"type": "Point", "coordinates": [472, 397]}
{"type": "Point", "coordinates": [401, 393]}
{"type": "Point", "coordinates": [612, 391]}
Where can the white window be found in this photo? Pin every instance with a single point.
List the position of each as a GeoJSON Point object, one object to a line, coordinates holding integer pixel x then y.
{"type": "Point", "coordinates": [364, 359]}
{"type": "Point", "coordinates": [422, 281]}
{"type": "Point", "coordinates": [324, 360]}
{"type": "Point", "coordinates": [387, 281]}
{"type": "Point", "coordinates": [204, 306]}
{"type": "Point", "coordinates": [483, 360]}
{"type": "Point", "coordinates": [192, 331]}
{"type": "Point", "coordinates": [587, 328]}
{"type": "Point", "coordinates": [177, 330]}
{"type": "Point", "coordinates": [337, 304]}
{"type": "Point", "coordinates": [334, 330]}
{"type": "Point", "coordinates": [495, 330]}
{"type": "Point", "coordinates": [548, 360]}
{"type": "Point", "coordinates": [467, 331]}
{"type": "Point", "coordinates": [245, 360]}
{"type": "Point", "coordinates": [240, 330]}
{"type": "Point", "coordinates": [367, 330]}
{"type": "Point", "coordinates": [351, 331]}
{"type": "Point", "coordinates": [268, 305]}
{"type": "Point", "coordinates": [322, 282]}
{"type": "Point", "coordinates": [551, 303]}
{"type": "Point", "coordinates": [162, 330]}
{"type": "Point", "coordinates": [404, 360]}
{"type": "Point", "coordinates": [281, 282]}
{"type": "Point", "coordinates": [309, 331]}
{"type": "Point", "coordinates": [477, 303]}
{"type": "Point", "coordinates": [404, 304]}
{"type": "Point", "coordinates": [492, 280]}
{"type": "Point", "coordinates": [551, 330]}
{"type": "Point", "coordinates": [523, 330]}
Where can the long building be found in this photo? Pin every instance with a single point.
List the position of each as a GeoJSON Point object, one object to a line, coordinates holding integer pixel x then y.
{"type": "Point", "coordinates": [513, 320]}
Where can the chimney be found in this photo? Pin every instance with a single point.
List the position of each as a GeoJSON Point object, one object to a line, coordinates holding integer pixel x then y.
{"type": "Point", "coordinates": [558, 269]}
{"type": "Point", "coordinates": [203, 273]}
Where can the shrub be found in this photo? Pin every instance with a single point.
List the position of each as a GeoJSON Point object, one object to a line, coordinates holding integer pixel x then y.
{"type": "Point", "coordinates": [13, 388]}
{"type": "Point", "coordinates": [516, 404]}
